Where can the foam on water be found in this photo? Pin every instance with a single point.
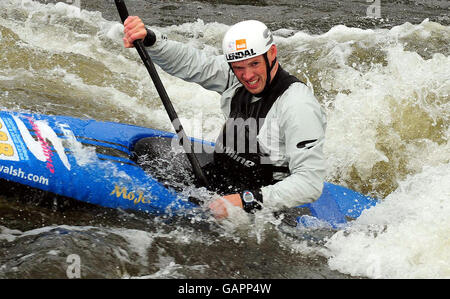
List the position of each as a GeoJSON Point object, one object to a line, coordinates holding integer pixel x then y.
{"type": "Point", "coordinates": [387, 106]}
{"type": "Point", "coordinates": [407, 235]}
{"type": "Point", "coordinates": [99, 70]}
{"type": "Point", "coordinates": [130, 248]}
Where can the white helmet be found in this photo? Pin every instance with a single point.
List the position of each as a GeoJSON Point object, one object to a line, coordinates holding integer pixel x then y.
{"type": "Point", "coordinates": [246, 40]}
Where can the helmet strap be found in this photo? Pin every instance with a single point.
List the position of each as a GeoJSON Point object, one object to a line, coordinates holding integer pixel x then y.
{"type": "Point", "coordinates": [269, 78]}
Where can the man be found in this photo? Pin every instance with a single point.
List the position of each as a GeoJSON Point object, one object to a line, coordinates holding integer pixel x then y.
{"type": "Point", "coordinates": [270, 151]}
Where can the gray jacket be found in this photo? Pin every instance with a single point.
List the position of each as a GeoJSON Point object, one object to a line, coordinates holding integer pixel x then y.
{"type": "Point", "coordinates": [296, 116]}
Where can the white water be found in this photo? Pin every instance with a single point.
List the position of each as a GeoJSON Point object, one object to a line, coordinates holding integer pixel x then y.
{"type": "Point", "coordinates": [405, 236]}
{"type": "Point", "coordinates": [386, 93]}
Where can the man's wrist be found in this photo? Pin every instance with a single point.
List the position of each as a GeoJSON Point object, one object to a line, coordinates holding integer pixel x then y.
{"type": "Point", "coordinates": [150, 38]}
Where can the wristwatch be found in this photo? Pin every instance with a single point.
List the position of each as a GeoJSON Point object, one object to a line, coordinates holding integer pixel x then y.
{"type": "Point", "coordinates": [249, 202]}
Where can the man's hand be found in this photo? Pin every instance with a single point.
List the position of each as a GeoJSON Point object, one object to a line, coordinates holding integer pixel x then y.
{"type": "Point", "coordinates": [134, 29]}
{"type": "Point", "coordinates": [219, 207]}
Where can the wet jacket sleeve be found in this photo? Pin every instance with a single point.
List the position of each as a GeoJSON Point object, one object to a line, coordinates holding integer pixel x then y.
{"type": "Point", "coordinates": [191, 64]}
{"type": "Point", "coordinates": [301, 123]}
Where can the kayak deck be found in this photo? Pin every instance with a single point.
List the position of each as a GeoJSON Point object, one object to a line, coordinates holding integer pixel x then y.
{"type": "Point", "coordinates": [102, 163]}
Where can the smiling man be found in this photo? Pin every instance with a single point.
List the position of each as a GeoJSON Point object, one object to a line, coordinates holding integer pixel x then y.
{"type": "Point", "coordinates": [270, 151]}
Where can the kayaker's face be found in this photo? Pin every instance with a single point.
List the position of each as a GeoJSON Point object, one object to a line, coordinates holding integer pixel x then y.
{"type": "Point", "coordinates": [252, 73]}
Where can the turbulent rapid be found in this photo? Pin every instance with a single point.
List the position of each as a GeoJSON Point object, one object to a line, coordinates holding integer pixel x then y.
{"type": "Point", "coordinates": [385, 89]}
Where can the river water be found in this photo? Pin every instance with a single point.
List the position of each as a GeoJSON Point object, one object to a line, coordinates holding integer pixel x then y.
{"type": "Point", "coordinates": [380, 69]}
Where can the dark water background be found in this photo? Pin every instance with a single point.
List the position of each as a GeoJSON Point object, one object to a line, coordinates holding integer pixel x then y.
{"type": "Point", "coordinates": [305, 15]}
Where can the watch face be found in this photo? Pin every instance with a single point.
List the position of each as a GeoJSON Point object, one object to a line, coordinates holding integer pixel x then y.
{"type": "Point", "coordinates": [248, 197]}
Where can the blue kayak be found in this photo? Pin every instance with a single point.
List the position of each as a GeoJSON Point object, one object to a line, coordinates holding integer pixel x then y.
{"type": "Point", "coordinates": [95, 162]}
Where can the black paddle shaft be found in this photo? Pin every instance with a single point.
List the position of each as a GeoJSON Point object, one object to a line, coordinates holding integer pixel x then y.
{"type": "Point", "coordinates": [184, 140]}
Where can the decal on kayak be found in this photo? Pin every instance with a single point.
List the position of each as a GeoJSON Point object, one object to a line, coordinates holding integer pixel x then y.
{"type": "Point", "coordinates": [11, 149]}
{"type": "Point", "coordinates": [122, 192]}
{"type": "Point", "coordinates": [20, 173]}
{"type": "Point", "coordinates": [41, 148]}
